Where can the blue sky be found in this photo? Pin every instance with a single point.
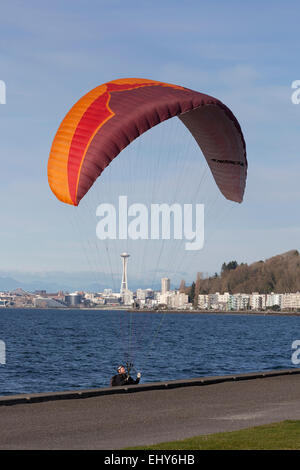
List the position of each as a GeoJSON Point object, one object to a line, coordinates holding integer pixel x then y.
{"type": "Point", "coordinates": [245, 54]}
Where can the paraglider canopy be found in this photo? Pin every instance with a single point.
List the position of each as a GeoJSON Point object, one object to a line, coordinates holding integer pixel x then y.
{"type": "Point", "coordinates": [109, 117]}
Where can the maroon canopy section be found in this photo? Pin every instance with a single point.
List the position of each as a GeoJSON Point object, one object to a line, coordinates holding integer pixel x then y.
{"type": "Point", "coordinates": [220, 138]}
{"type": "Point", "coordinates": [212, 124]}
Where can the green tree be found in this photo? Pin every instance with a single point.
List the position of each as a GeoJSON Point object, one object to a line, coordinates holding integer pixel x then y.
{"type": "Point", "coordinates": [192, 293]}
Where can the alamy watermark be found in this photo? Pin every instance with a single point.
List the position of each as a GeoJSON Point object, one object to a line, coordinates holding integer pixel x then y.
{"type": "Point", "coordinates": [296, 94]}
{"type": "Point", "coordinates": [160, 221]}
{"type": "Point", "coordinates": [2, 352]}
{"type": "Point", "coordinates": [2, 92]}
{"type": "Point", "coordinates": [296, 354]}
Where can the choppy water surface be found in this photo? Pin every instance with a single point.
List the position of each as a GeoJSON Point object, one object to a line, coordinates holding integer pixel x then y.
{"type": "Point", "coordinates": [51, 350]}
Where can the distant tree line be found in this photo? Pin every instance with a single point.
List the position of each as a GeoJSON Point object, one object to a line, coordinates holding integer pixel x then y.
{"type": "Point", "coordinates": [278, 274]}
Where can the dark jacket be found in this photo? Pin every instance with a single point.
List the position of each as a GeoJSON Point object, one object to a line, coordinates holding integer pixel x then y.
{"type": "Point", "coordinates": [122, 379]}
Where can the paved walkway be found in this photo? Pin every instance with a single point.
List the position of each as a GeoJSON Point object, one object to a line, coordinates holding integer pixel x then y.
{"type": "Point", "coordinates": [115, 421]}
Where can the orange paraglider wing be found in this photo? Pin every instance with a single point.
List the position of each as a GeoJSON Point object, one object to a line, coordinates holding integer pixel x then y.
{"type": "Point", "coordinates": [108, 118]}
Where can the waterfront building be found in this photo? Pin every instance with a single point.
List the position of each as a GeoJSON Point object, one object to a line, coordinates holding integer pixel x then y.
{"type": "Point", "coordinates": [141, 294]}
{"type": "Point", "coordinates": [149, 293]}
{"type": "Point", "coordinates": [257, 301]}
{"type": "Point", "coordinates": [107, 292]}
{"type": "Point", "coordinates": [290, 301]}
{"type": "Point", "coordinates": [73, 300]}
{"type": "Point", "coordinates": [111, 300]}
{"type": "Point", "coordinates": [203, 301]}
{"type": "Point", "coordinates": [178, 300]}
{"type": "Point", "coordinates": [127, 298]}
{"type": "Point", "coordinates": [165, 285]}
{"type": "Point", "coordinates": [46, 302]}
{"type": "Point", "coordinates": [273, 299]}
{"type": "Point", "coordinates": [240, 301]}
{"type": "Point", "coordinates": [174, 299]}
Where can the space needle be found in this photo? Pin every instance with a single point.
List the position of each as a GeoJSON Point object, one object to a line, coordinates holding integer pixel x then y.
{"type": "Point", "coordinates": [124, 284]}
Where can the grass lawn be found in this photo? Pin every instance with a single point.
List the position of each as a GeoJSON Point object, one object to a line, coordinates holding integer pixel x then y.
{"type": "Point", "coordinates": [278, 436]}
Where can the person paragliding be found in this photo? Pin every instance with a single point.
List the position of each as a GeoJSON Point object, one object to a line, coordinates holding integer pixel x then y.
{"type": "Point", "coordinates": [124, 378]}
{"type": "Point", "coordinates": [110, 117]}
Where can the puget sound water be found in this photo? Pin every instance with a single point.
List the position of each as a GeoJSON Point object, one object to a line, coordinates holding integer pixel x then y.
{"type": "Point", "coordinates": [59, 350]}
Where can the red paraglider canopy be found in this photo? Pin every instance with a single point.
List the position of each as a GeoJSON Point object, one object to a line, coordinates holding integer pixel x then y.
{"type": "Point", "coordinates": [108, 118]}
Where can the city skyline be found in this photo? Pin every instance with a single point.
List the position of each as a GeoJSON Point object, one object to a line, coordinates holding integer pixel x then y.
{"type": "Point", "coordinates": [165, 298]}
{"type": "Point", "coordinates": [151, 298]}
